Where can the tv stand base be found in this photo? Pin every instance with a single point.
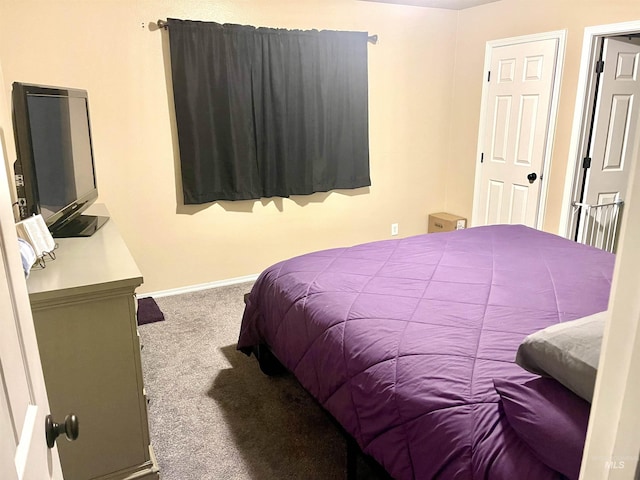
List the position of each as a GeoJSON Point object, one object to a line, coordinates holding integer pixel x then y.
{"type": "Point", "coordinates": [81, 226]}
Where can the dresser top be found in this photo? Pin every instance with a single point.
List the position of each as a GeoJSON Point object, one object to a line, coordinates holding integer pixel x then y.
{"type": "Point", "coordinates": [86, 265]}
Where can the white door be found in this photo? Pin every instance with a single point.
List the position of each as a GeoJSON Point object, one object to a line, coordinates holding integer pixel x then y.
{"type": "Point", "coordinates": [615, 126]}
{"type": "Point", "coordinates": [23, 398]}
{"type": "Point", "coordinates": [516, 133]}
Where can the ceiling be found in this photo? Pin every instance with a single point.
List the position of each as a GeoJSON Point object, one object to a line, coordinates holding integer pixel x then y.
{"type": "Point", "coordinates": [450, 4]}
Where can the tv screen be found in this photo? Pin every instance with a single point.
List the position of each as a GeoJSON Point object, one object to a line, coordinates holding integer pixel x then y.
{"type": "Point", "coordinates": [55, 174]}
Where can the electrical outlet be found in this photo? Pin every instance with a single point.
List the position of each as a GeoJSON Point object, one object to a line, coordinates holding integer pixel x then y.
{"type": "Point", "coordinates": [394, 229]}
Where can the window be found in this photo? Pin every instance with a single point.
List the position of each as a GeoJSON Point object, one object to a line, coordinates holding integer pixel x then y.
{"type": "Point", "coordinates": [268, 112]}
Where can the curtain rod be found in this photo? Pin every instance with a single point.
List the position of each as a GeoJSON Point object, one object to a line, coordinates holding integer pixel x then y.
{"type": "Point", "coordinates": [164, 24]}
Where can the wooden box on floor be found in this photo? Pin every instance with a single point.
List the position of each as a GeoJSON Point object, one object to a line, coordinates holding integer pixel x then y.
{"type": "Point", "coordinates": [445, 222]}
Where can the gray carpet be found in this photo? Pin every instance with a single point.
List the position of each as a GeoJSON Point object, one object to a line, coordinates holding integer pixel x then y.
{"type": "Point", "coordinates": [214, 415]}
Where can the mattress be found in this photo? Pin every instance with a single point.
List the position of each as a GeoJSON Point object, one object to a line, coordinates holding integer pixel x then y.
{"type": "Point", "coordinates": [400, 340]}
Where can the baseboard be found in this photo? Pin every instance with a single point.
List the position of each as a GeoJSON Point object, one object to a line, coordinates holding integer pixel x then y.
{"type": "Point", "coordinates": [197, 288]}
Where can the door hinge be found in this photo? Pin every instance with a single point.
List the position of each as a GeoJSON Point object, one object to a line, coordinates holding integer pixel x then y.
{"type": "Point", "coordinates": [586, 162]}
{"type": "Point", "coordinates": [482, 157]}
{"type": "Point", "coordinates": [489, 76]}
{"type": "Point", "coordinates": [600, 66]}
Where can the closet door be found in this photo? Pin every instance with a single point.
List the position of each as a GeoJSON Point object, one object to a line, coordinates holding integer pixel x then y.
{"type": "Point", "coordinates": [615, 128]}
{"type": "Point", "coordinates": [515, 134]}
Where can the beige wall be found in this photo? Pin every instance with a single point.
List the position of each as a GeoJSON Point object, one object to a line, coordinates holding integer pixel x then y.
{"type": "Point", "coordinates": [6, 136]}
{"type": "Point", "coordinates": [510, 18]}
{"type": "Point", "coordinates": [106, 47]}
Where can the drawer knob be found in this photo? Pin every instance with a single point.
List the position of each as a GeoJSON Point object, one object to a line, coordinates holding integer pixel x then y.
{"type": "Point", "coordinates": [52, 429]}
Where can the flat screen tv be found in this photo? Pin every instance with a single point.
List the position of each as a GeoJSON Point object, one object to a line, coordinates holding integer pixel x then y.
{"type": "Point", "coordinates": [54, 171]}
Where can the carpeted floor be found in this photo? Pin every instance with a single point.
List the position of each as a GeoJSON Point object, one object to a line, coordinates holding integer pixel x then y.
{"type": "Point", "coordinates": [214, 415]}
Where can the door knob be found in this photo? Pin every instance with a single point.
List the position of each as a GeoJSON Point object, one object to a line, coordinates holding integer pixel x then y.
{"type": "Point", "coordinates": [532, 177]}
{"type": "Point", "coordinates": [52, 429]}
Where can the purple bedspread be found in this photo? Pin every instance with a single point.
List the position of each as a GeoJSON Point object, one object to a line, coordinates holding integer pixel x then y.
{"type": "Point", "coordinates": [400, 340]}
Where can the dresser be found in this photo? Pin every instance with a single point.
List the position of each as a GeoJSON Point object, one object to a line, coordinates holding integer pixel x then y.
{"type": "Point", "coordinates": [84, 312]}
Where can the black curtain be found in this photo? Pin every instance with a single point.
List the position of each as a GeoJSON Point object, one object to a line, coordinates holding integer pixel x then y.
{"type": "Point", "coordinates": [268, 112]}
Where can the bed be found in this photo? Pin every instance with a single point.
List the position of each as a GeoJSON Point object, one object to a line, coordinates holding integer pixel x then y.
{"type": "Point", "coordinates": [410, 345]}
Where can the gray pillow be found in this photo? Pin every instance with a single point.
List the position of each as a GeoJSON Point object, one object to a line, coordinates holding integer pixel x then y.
{"type": "Point", "coordinates": [568, 352]}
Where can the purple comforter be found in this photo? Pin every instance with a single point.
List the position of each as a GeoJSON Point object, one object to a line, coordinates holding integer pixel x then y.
{"type": "Point", "coordinates": [400, 340]}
